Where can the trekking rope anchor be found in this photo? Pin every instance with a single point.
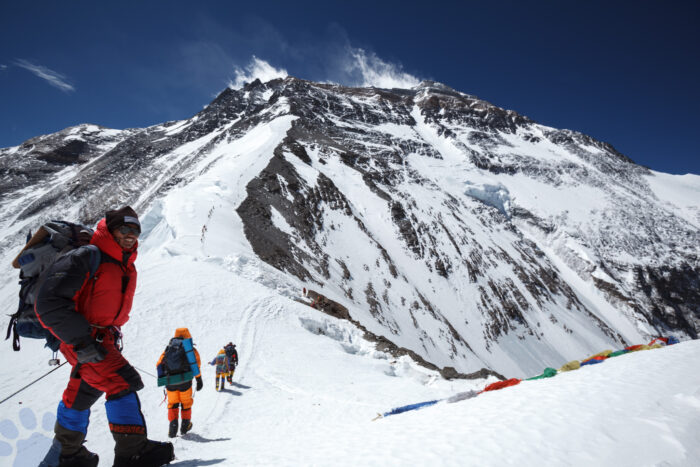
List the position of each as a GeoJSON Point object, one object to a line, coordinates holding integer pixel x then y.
{"type": "Point", "coordinates": [25, 387]}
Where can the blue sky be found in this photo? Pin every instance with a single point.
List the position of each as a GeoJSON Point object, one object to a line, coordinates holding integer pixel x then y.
{"type": "Point", "coordinates": [623, 72]}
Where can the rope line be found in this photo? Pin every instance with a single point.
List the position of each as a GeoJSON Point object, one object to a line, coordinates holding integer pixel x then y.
{"type": "Point", "coordinates": [25, 387]}
{"type": "Point", "coordinates": [144, 371]}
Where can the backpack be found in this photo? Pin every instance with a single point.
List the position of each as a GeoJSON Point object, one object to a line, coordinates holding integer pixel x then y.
{"type": "Point", "coordinates": [231, 353]}
{"type": "Point", "coordinates": [222, 363]}
{"type": "Point", "coordinates": [52, 241]}
{"type": "Point", "coordinates": [178, 365]}
{"type": "Point", "coordinates": [175, 358]}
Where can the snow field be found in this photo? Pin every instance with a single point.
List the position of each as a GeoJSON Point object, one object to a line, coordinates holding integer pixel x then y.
{"type": "Point", "coordinates": [308, 386]}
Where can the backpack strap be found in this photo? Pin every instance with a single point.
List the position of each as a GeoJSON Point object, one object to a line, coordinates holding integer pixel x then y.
{"type": "Point", "coordinates": [95, 259]}
{"type": "Point", "coordinates": [12, 328]}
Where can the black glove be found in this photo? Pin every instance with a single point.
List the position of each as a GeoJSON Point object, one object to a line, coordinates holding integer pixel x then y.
{"type": "Point", "coordinates": [90, 352]}
{"type": "Point", "coordinates": [199, 383]}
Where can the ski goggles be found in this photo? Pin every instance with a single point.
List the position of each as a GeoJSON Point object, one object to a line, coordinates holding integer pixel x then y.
{"type": "Point", "coordinates": [127, 230]}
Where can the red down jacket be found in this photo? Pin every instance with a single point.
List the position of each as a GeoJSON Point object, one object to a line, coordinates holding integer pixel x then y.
{"type": "Point", "coordinates": [71, 306]}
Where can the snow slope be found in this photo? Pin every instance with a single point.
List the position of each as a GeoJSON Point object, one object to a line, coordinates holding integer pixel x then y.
{"type": "Point", "coordinates": [308, 387]}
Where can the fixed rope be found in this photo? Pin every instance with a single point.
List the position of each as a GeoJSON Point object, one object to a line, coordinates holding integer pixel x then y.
{"type": "Point", "coordinates": [144, 371]}
{"type": "Point", "coordinates": [25, 387]}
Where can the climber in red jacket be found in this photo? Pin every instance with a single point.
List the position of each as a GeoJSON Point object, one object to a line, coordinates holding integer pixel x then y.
{"type": "Point", "coordinates": [86, 314]}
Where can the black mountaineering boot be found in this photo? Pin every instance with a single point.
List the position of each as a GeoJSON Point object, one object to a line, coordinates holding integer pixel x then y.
{"type": "Point", "coordinates": [83, 458]}
{"type": "Point", "coordinates": [67, 450]}
{"type": "Point", "coordinates": [185, 426]}
{"type": "Point", "coordinates": [153, 454]}
{"type": "Point", "coordinates": [172, 432]}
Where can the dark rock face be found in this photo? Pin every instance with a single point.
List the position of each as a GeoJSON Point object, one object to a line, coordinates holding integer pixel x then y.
{"type": "Point", "coordinates": [272, 245]}
{"type": "Point", "coordinates": [67, 154]}
{"type": "Point", "coordinates": [365, 197]}
{"type": "Point", "coordinates": [36, 160]}
{"type": "Point", "coordinates": [408, 233]}
{"type": "Point", "coordinates": [672, 294]}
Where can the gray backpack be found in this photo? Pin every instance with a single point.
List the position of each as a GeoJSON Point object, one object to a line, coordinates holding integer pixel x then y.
{"type": "Point", "coordinates": [53, 240]}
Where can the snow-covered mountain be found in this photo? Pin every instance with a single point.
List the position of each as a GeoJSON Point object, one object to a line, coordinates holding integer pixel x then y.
{"type": "Point", "coordinates": [451, 228]}
{"type": "Point", "coordinates": [452, 234]}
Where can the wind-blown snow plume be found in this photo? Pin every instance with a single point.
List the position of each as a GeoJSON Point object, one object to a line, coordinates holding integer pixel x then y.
{"type": "Point", "coordinates": [256, 69]}
{"type": "Point", "coordinates": [52, 77]}
{"type": "Point", "coordinates": [376, 72]}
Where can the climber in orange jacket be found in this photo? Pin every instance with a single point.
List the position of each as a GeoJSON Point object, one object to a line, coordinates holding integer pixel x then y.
{"type": "Point", "coordinates": [174, 365]}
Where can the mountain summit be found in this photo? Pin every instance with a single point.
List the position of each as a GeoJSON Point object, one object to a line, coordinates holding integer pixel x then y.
{"type": "Point", "coordinates": [460, 231]}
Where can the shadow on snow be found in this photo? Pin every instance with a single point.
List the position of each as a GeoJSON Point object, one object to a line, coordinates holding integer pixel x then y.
{"type": "Point", "coordinates": [201, 439]}
{"type": "Point", "coordinates": [241, 386]}
{"type": "Point", "coordinates": [196, 462]}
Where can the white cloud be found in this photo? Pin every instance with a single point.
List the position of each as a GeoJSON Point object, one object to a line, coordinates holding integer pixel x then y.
{"type": "Point", "coordinates": [256, 69]}
{"type": "Point", "coordinates": [52, 77]}
{"type": "Point", "coordinates": [370, 70]}
{"type": "Point", "coordinates": [3, 67]}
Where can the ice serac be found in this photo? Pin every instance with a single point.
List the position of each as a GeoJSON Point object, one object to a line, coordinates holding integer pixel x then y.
{"type": "Point", "coordinates": [466, 233]}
